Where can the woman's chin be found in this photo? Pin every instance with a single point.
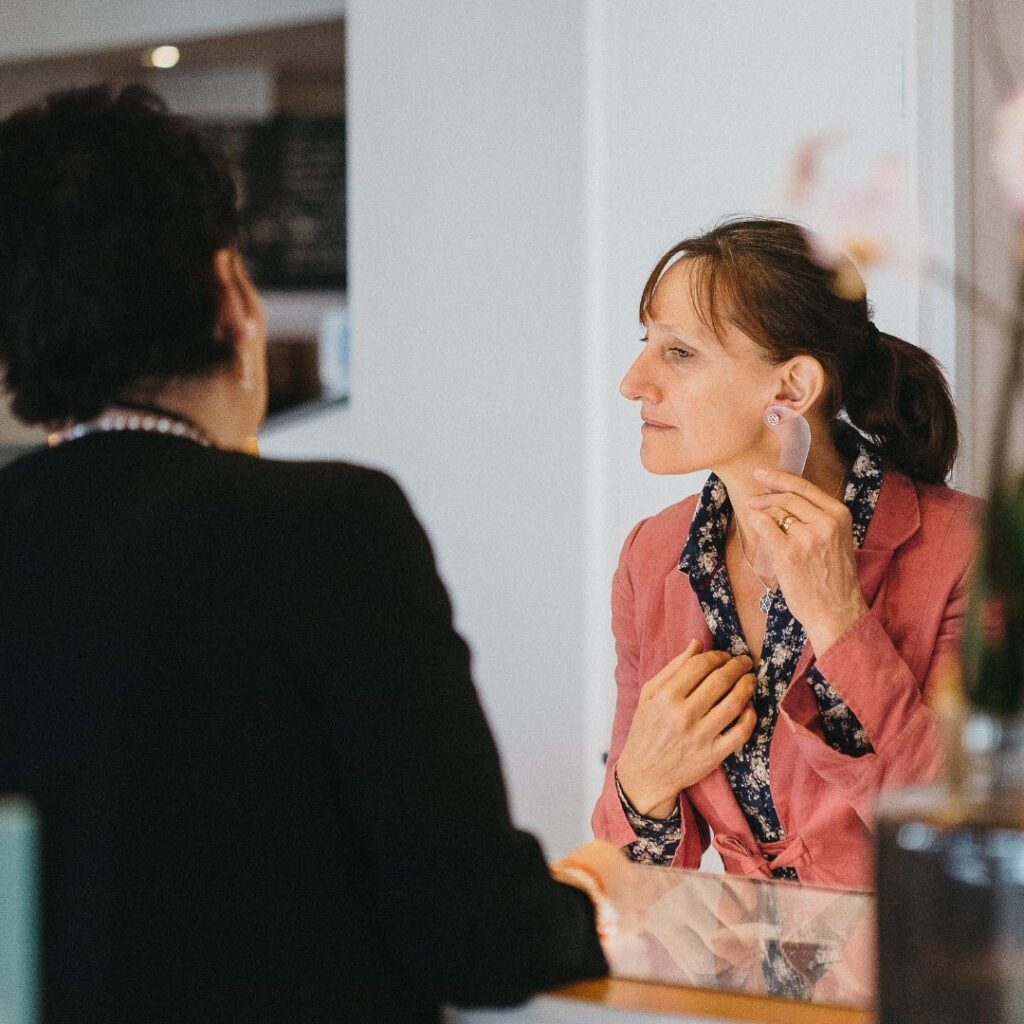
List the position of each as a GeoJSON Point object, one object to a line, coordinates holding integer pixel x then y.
{"type": "Point", "coordinates": [660, 465]}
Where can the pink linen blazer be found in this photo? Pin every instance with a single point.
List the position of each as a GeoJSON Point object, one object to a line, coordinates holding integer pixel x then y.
{"type": "Point", "coordinates": [913, 570]}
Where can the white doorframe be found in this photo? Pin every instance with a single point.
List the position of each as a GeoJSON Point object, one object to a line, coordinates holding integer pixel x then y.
{"type": "Point", "coordinates": [937, 81]}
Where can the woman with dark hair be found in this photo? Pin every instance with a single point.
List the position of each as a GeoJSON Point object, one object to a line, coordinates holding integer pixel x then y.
{"type": "Point", "coordinates": [771, 708]}
{"type": "Point", "coordinates": [229, 685]}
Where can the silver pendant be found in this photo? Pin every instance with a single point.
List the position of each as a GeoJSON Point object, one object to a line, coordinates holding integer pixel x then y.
{"type": "Point", "coordinates": [765, 603]}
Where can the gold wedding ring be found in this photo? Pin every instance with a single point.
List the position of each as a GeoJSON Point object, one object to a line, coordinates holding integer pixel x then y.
{"type": "Point", "coordinates": [787, 523]}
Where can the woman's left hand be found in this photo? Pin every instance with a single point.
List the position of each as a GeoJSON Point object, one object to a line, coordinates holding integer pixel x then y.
{"type": "Point", "coordinates": [813, 561]}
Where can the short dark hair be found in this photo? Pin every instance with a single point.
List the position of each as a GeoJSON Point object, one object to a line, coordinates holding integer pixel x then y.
{"type": "Point", "coordinates": [761, 275]}
{"type": "Point", "coordinates": [111, 210]}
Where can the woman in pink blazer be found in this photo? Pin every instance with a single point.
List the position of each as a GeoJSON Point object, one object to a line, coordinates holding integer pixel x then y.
{"type": "Point", "coordinates": [780, 755]}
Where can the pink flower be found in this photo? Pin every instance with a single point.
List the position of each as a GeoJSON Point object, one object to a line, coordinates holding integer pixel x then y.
{"type": "Point", "coordinates": [851, 196]}
{"type": "Point", "coordinates": [1008, 149]}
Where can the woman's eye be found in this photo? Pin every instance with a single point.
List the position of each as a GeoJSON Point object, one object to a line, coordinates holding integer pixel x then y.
{"type": "Point", "coordinates": [680, 353]}
{"type": "Point", "coordinates": [643, 339]}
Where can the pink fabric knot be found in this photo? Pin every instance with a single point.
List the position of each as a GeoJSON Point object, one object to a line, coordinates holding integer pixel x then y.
{"type": "Point", "coordinates": [747, 857]}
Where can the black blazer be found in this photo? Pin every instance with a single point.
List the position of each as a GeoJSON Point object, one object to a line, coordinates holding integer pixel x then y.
{"type": "Point", "coordinates": [267, 788]}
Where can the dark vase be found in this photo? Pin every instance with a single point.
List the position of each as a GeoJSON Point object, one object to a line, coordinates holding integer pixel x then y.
{"type": "Point", "coordinates": [951, 886]}
{"type": "Point", "coordinates": [951, 856]}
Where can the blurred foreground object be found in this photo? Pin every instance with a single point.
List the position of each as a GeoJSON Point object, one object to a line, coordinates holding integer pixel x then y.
{"type": "Point", "coordinates": [951, 856]}
{"type": "Point", "coordinates": [18, 912]}
{"type": "Point", "coordinates": [950, 864]}
{"type": "Point", "coordinates": [851, 193]}
{"type": "Point", "coordinates": [951, 886]}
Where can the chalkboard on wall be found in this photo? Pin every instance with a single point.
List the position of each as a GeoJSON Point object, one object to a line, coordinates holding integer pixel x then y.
{"type": "Point", "coordinates": [293, 198]}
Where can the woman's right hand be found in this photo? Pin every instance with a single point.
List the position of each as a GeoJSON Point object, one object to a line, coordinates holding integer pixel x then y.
{"type": "Point", "coordinates": [690, 716]}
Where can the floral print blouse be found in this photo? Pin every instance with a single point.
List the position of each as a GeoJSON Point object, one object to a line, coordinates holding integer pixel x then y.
{"type": "Point", "coordinates": [747, 770]}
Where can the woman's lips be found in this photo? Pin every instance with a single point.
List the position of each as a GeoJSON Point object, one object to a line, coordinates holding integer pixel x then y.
{"type": "Point", "coordinates": [655, 425]}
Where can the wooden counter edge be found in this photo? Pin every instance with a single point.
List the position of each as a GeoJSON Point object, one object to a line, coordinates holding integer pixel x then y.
{"type": "Point", "coordinates": [652, 998]}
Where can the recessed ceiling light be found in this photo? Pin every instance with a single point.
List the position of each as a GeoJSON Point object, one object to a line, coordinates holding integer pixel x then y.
{"type": "Point", "coordinates": [163, 57]}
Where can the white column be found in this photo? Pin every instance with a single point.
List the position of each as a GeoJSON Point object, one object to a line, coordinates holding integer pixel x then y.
{"type": "Point", "coordinates": [466, 289]}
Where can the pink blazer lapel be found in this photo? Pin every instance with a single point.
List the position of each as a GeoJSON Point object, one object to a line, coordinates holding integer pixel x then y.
{"type": "Point", "coordinates": [684, 620]}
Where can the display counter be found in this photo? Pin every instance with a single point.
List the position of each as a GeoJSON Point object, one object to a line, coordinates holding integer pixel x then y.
{"type": "Point", "coordinates": [692, 946]}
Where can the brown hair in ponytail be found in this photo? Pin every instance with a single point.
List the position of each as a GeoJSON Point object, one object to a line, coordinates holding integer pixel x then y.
{"type": "Point", "coordinates": [761, 276]}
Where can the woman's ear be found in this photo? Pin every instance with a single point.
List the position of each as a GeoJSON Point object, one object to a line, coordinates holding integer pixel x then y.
{"type": "Point", "coordinates": [240, 322]}
{"type": "Point", "coordinates": [239, 314]}
{"type": "Point", "coordinates": [800, 384]}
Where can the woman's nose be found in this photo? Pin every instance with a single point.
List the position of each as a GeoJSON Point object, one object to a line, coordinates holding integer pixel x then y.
{"type": "Point", "coordinates": [637, 385]}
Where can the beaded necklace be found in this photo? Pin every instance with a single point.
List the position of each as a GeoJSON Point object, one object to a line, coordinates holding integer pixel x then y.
{"type": "Point", "coordinates": [145, 419]}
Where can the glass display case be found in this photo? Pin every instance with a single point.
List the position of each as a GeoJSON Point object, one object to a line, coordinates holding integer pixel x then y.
{"type": "Point", "coordinates": [692, 945]}
{"type": "Point", "coordinates": [749, 935]}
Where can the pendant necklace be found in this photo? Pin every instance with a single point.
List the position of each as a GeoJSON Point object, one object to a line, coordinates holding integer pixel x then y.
{"type": "Point", "coordinates": [765, 601]}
